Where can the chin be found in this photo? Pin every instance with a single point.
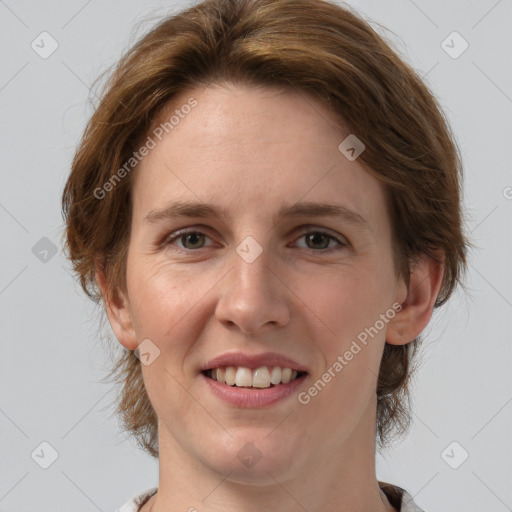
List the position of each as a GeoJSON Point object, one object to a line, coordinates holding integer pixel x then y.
{"type": "Point", "coordinates": [257, 460]}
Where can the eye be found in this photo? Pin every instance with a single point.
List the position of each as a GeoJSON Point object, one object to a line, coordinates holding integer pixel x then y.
{"type": "Point", "coordinates": [190, 239]}
{"type": "Point", "coordinates": [318, 241]}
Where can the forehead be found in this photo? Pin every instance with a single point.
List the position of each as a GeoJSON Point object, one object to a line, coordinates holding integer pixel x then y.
{"type": "Point", "coordinates": [242, 147]}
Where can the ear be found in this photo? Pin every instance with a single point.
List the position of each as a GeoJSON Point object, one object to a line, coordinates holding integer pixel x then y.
{"type": "Point", "coordinates": [418, 302]}
{"type": "Point", "coordinates": [118, 312]}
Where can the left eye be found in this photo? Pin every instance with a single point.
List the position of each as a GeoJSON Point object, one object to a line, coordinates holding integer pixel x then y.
{"type": "Point", "coordinates": [191, 240]}
{"type": "Point", "coordinates": [321, 238]}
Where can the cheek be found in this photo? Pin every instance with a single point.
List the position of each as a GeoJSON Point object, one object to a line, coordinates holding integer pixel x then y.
{"type": "Point", "coordinates": [162, 297]}
{"type": "Point", "coordinates": [350, 333]}
{"type": "Point", "coordinates": [344, 300]}
{"type": "Point", "coordinates": [351, 347]}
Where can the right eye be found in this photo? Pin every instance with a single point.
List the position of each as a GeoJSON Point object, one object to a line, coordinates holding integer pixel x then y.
{"type": "Point", "coordinates": [194, 240]}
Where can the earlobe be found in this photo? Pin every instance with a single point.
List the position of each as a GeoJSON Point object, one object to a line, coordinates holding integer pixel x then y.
{"type": "Point", "coordinates": [118, 311]}
{"type": "Point", "coordinates": [425, 283]}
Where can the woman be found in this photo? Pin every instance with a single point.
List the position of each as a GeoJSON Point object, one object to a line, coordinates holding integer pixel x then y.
{"type": "Point", "coordinates": [261, 369]}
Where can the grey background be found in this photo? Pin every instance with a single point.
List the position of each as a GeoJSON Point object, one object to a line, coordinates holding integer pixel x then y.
{"type": "Point", "coordinates": [52, 362]}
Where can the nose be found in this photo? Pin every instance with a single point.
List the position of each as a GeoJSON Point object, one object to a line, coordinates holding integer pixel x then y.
{"type": "Point", "coordinates": [253, 296]}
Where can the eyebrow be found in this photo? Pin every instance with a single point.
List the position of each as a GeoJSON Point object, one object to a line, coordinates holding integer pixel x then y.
{"type": "Point", "coordinates": [303, 209]}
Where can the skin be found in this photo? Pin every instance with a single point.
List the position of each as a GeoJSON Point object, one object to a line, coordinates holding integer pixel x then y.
{"type": "Point", "coordinates": [251, 151]}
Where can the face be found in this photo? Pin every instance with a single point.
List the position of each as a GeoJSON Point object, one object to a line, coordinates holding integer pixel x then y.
{"type": "Point", "coordinates": [272, 278]}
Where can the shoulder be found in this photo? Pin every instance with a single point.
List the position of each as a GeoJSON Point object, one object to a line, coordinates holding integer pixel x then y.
{"type": "Point", "coordinates": [399, 498]}
{"type": "Point", "coordinates": [136, 501]}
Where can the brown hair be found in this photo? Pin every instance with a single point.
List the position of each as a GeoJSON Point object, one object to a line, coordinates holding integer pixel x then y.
{"type": "Point", "coordinates": [311, 46]}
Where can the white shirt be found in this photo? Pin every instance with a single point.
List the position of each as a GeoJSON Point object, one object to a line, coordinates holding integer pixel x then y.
{"type": "Point", "coordinates": [133, 504]}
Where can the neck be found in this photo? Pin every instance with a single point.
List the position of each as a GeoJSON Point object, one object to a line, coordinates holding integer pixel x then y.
{"type": "Point", "coordinates": [340, 479]}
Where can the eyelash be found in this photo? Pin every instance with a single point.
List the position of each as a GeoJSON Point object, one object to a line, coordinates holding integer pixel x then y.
{"type": "Point", "coordinates": [181, 234]}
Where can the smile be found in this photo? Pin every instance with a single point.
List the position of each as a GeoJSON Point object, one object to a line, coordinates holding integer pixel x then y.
{"type": "Point", "coordinates": [261, 378]}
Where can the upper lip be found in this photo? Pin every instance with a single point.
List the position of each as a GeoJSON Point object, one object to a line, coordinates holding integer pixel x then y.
{"type": "Point", "coordinates": [253, 361]}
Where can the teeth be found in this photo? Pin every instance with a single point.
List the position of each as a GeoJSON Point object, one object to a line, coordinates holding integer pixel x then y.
{"type": "Point", "coordinates": [287, 375]}
{"type": "Point", "coordinates": [219, 374]}
{"type": "Point", "coordinates": [230, 376]}
{"type": "Point", "coordinates": [243, 377]}
{"type": "Point", "coordinates": [262, 377]}
{"type": "Point", "coordinates": [275, 378]}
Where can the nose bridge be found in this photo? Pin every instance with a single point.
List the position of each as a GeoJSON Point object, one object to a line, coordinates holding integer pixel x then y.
{"type": "Point", "coordinates": [251, 265]}
{"type": "Point", "coordinates": [252, 296]}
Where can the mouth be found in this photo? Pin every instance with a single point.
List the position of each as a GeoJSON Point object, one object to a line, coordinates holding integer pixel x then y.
{"type": "Point", "coordinates": [264, 377]}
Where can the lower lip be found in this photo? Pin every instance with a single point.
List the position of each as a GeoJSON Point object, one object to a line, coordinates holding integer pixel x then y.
{"type": "Point", "coordinates": [253, 397]}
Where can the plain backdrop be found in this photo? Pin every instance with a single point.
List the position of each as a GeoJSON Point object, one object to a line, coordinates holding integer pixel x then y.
{"type": "Point", "coordinates": [52, 362]}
